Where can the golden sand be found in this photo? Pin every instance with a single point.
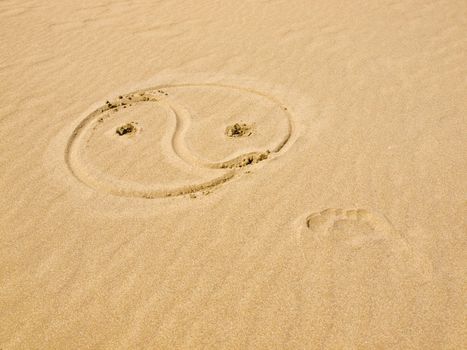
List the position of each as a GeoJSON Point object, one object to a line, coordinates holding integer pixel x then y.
{"type": "Point", "coordinates": [233, 174]}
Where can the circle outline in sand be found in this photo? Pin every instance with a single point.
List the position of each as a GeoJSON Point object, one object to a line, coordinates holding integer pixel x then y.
{"type": "Point", "coordinates": [156, 94]}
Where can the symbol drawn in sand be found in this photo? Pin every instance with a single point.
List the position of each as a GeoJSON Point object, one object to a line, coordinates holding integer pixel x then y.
{"type": "Point", "coordinates": [176, 142]}
{"type": "Point", "coordinates": [358, 272]}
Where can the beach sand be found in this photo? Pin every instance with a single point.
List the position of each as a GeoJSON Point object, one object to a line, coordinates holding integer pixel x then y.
{"type": "Point", "coordinates": [233, 174]}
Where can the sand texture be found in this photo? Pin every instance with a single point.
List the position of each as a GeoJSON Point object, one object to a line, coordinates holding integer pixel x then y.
{"type": "Point", "coordinates": [257, 174]}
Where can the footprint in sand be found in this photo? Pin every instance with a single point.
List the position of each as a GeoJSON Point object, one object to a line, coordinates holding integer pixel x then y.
{"type": "Point", "coordinates": [176, 139]}
{"type": "Point", "coordinates": [358, 272]}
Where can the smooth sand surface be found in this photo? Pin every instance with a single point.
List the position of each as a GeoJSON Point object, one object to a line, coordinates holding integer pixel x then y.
{"type": "Point", "coordinates": [233, 174]}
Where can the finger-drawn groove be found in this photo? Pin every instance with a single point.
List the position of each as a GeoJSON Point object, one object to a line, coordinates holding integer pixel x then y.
{"type": "Point", "coordinates": [219, 171]}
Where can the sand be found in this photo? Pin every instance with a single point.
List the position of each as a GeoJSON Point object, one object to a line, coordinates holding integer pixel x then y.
{"type": "Point", "coordinates": [233, 175]}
